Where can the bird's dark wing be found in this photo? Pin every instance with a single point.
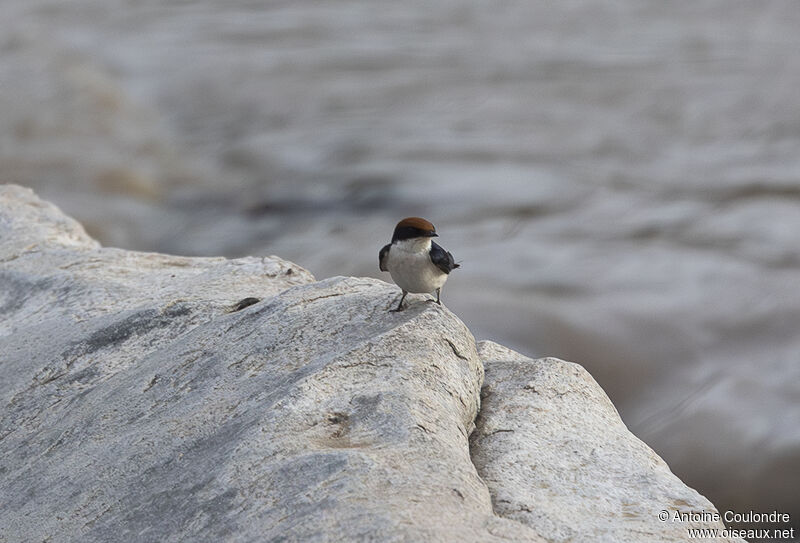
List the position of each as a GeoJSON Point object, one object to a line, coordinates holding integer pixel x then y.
{"type": "Point", "coordinates": [442, 259]}
{"type": "Point", "coordinates": [382, 257]}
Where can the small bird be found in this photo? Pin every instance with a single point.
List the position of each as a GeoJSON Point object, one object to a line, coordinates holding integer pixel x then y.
{"type": "Point", "coordinates": [416, 263]}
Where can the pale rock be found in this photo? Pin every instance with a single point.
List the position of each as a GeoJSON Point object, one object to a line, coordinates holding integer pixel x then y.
{"type": "Point", "coordinates": [144, 400]}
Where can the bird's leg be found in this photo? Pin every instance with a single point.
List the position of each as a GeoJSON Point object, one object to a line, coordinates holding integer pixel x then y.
{"type": "Point", "coordinates": [400, 305]}
{"type": "Point", "coordinates": [438, 291]}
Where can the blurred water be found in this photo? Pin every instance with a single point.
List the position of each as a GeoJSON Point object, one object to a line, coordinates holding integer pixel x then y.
{"type": "Point", "coordinates": [621, 181]}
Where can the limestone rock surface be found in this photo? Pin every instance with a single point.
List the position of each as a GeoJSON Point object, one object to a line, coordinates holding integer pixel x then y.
{"type": "Point", "coordinates": [557, 457]}
{"type": "Point", "coordinates": [148, 397]}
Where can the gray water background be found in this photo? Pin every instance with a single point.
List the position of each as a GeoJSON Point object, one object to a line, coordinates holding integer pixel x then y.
{"type": "Point", "coordinates": [619, 180]}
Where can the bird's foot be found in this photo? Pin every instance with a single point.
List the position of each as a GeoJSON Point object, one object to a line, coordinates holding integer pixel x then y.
{"type": "Point", "coordinates": [400, 305]}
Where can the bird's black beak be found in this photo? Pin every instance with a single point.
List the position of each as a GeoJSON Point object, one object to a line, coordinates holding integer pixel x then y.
{"type": "Point", "coordinates": [433, 234]}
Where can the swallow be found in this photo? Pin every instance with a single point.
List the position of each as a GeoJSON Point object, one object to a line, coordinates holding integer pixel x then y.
{"type": "Point", "coordinates": [415, 262]}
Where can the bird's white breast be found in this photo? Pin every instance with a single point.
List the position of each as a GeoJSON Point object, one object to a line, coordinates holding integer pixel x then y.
{"type": "Point", "coordinates": [409, 263]}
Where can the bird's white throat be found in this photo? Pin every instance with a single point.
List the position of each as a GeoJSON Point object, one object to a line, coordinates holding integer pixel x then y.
{"type": "Point", "coordinates": [414, 245]}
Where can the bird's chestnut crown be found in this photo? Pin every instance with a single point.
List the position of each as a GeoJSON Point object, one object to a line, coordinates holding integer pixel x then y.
{"type": "Point", "coordinates": [413, 227]}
